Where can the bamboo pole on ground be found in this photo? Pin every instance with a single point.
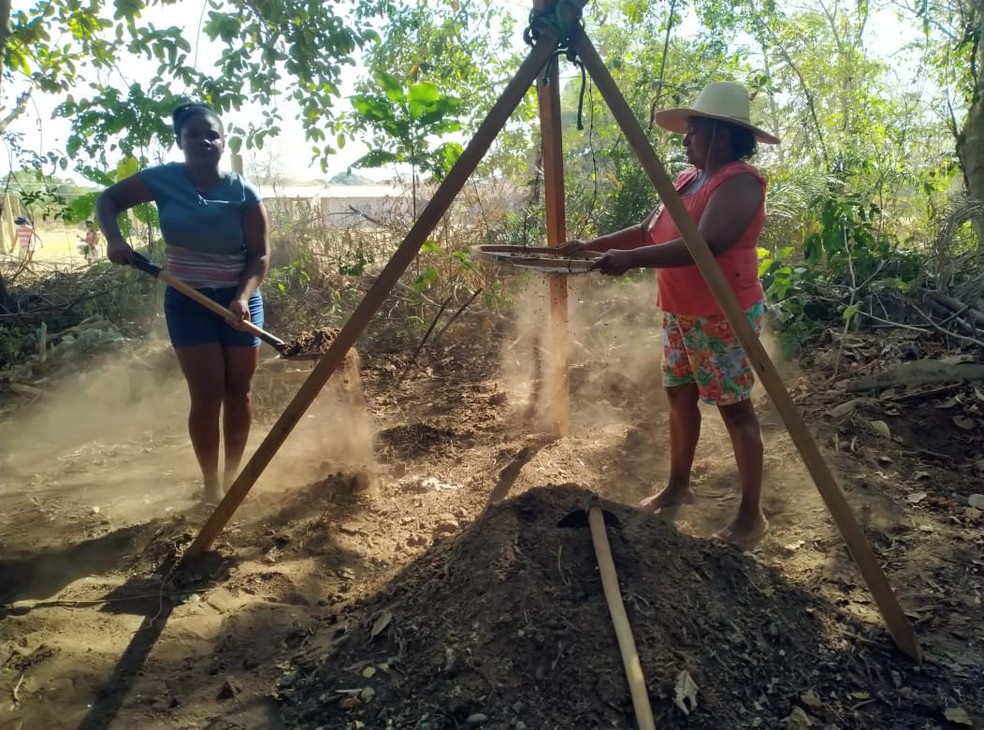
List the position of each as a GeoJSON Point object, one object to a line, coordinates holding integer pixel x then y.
{"type": "Point", "coordinates": [510, 98]}
{"type": "Point", "coordinates": [620, 620]}
{"type": "Point", "coordinates": [551, 135]}
{"type": "Point", "coordinates": [867, 562]}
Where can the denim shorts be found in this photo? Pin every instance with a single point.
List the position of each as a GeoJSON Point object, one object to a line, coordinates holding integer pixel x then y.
{"type": "Point", "coordinates": [190, 324]}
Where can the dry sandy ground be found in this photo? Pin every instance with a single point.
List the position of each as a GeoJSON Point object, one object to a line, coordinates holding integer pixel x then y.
{"type": "Point", "coordinates": [98, 489]}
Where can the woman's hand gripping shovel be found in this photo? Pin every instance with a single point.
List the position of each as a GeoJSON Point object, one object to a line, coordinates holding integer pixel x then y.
{"type": "Point", "coordinates": [149, 267]}
{"type": "Point", "coordinates": [596, 519]}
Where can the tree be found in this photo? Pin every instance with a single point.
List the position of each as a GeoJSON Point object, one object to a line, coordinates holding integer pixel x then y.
{"type": "Point", "coordinates": [467, 49]}
{"type": "Point", "coordinates": [402, 122]}
{"type": "Point", "coordinates": [268, 51]}
{"type": "Point", "coordinates": [349, 178]}
{"type": "Point", "coordinates": [953, 50]}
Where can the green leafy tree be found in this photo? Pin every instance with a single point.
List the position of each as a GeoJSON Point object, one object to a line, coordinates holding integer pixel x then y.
{"type": "Point", "coordinates": [952, 47]}
{"type": "Point", "coordinates": [401, 122]}
{"type": "Point", "coordinates": [267, 52]}
{"type": "Point", "coordinates": [468, 49]}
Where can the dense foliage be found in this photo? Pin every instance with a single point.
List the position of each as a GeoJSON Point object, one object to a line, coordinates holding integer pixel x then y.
{"type": "Point", "coordinates": [867, 191]}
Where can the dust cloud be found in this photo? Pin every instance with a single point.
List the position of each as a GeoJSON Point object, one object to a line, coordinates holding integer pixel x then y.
{"type": "Point", "coordinates": [114, 435]}
{"type": "Point", "coordinates": [619, 419]}
{"type": "Point", "coordinates": [114, 398]}
{"type": "Point", "coordinates": [336, 435]}
{"type": "Point", "coordinates": [613, 352]}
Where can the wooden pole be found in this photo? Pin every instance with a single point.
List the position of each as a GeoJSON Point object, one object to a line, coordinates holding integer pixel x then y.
{"type": "Point", "coordinates": [898, 625]}
{"type": "Point", "coordinates": [551, 139]}
{"type": "Point", "coordinates": [7, 235]}
{"type": "Point", "coordinates": [620, 620]}
{"type": "Point", "coordinates": [503, 108]}
{"type": "Point", "coordinates": [237, 163]}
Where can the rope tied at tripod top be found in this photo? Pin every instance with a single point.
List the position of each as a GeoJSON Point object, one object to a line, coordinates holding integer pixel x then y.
{"type": "Point", "coordinates": [564, 19]}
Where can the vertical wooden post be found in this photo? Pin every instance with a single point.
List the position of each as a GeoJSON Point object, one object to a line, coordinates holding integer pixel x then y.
{"type": "Point", "coordinates": [7, 224]}
{"type": "Point", "coordinates": [551, 140]}
{"type": "Point", "coordinates": [429, 217]}
{"type": "Point", "coordinates": [237, 163]}
{"type": "Point", "coordinates": [858, 545]}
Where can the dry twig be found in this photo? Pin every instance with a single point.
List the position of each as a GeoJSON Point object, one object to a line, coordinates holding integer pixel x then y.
{"type": "Point", "coordinates": [943, 330]}
{"type": "Point", "coordinates": [15, 691]}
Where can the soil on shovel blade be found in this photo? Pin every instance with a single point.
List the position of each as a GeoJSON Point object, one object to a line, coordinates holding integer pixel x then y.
{"type": "Point", "coordinates": [310, 343]}
{"type": "Point", "coordinates": [507, 627]}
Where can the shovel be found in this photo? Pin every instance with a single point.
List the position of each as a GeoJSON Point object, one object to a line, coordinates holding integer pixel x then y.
{"type": "Point", "coordinates": [149, 267]}
{"type": "Point", "coordinates": [596, 519]}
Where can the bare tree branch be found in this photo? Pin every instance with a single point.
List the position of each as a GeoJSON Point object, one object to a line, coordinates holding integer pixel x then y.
{"type": "Point", "coordinates": [19, 106]}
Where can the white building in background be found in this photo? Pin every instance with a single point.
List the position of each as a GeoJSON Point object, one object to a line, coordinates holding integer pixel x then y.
{"type": "Point", "coordinates": [342, 206]}
{"type": "Point", "coordinates": [345, 206]}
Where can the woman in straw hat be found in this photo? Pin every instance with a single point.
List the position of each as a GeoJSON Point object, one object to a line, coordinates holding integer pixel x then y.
{"type": "Point", "coordinates": [702, 358]}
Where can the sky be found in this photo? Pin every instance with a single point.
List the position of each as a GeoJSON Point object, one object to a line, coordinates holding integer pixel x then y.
{"type": "Point", "coordinates": [289, 152]}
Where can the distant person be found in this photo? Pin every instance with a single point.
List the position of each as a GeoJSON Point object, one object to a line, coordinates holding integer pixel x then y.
{"type": "Point", "coordinates": [702, 358]}
{"type": "Point", "coordinates": [27, 239]}
{"type": "Point", "coordinates": [90, 241]}
{"type": "Point", "coordinates": [216, 234]}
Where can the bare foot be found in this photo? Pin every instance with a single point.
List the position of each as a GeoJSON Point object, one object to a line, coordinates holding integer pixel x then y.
{"type": "Point", "coordinates": [248, 498]}
{"type": "Point", "coordinates": [744, 532]}
{"type": "Point", "coordinates": [228, 479]}
{"type": "Point", "coordinates": [669, 497]}
{"type": "Point", "coordinates": [212, 496]}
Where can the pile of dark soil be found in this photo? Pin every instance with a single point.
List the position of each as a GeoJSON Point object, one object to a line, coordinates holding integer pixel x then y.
{"type": "Point", "coordinates": [505, 626]}
{"type": "Point", "coordinates": [413, 440]}
{"type": "Point", "coordinates": [313, 342]}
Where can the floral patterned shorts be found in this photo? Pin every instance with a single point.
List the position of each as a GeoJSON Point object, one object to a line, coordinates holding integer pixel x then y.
{"type": "Point", "coordinates": [705, 351]}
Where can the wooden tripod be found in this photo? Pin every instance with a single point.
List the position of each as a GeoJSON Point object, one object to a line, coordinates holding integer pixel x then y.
{"type": "Point", "coordinates": [549, 35]}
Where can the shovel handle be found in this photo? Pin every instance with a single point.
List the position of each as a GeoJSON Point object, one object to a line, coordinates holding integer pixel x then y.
{"type": "Point", "coordinates": [623, 630]}
{"type": "Point", "coordinates": [149, 267]}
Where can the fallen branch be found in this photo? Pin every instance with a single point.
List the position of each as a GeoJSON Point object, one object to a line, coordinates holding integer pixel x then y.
{"type": "Point", "coordinates": [24, 389]}
{"type": "Point", "coordinates": [944, 313]}
{"type": "Point", "coordinates": [900, 325]}
{"type": "Point", "coordinates": [919, 372]}
{"type": "Point", "coordinates": [945, 331]}
{"type": "Point", "coordinates": [96, 321]}
{"type": "Point", "coordinates": [956, 306]}
{"type": "Point", "coordinates": [924, 394]}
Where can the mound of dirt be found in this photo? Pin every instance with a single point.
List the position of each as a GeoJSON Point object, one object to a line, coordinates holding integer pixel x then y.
{"type": "Point", "coordinates": [413, 440]}
{"type": "Point", "coordinates": [314, 342]}
{"type": "Point", "coordinates": [506, 626]}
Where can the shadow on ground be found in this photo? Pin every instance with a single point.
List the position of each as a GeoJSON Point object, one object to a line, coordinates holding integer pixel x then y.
{"type": "Point", "coordinates": [508, 622]}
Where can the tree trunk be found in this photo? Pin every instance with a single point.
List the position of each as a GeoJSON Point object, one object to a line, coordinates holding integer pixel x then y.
{"type": "Point", "coordinates": [4, 22]}
{"type": "Point", "coordinates": [970, 139]}
{"type": "Point", "coordinates": [970, 151]}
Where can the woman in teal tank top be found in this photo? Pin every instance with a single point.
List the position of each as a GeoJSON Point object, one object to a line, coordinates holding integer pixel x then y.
{"type": "Point", "coordinates": [217, 241]}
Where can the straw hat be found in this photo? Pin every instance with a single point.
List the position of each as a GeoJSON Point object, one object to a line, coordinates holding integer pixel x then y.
{"type": "Point", "coordinates": [723, 100]}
